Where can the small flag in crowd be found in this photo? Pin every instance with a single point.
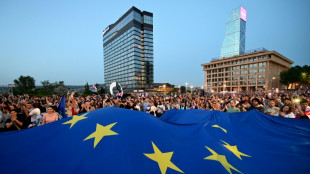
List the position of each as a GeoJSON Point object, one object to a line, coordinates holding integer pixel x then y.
{"type": "Point", "coordinates": [114, 140]}
{"type": "Point", "coordinates": [62, 107]}
{"type": "Point", "coordinates": [93, 88]}
{"type": "Point", "coordinates": [119, 94]}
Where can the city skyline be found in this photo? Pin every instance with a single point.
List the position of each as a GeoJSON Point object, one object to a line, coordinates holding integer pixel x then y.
{"type": "Point", "coordinates": [62, 41]}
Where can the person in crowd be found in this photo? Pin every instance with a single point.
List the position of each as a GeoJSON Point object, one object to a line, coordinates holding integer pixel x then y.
{"type": "Point", "coordinates": [85, 107]}
{"type": "Point", "coordinates": [288, 102]}
{"type": "Point", "coordinates": [233, 108]}
{"type": "Point", "coordinates": [183, 105]}
{"type": "Point", "coordinates": [216, 107]}
{"type": "Point", "coordinates": [256, 105]}
{"type": "Point", "coordinates": [131, 105]}
{"type": "Point", "coordinates": [287, 111]}
{"type": "Point", "coordinates": [167, 106]}
{"type": "Point", "coordinates": [246, 106]}
{"type": "Point", "coordinates": [146, 104]}
{"type": "Point", "coordinates": [160, 111]}
{"type": "Point", "coordinates": [271, 109]}
{"type": "Point", "coordinates": [24, 112]}
{"type": "Point", "coordinates": [4, 117]}
{"type": "Point", "coordinates": [50, 116]}
{"type": "Point", "coordinates": [34, 114]}
{"type": "Point", "coordinates": [278, 103]}
{"type": "Point", "coordinates": [175, 105]}
{"type": "Point", "coordinates": [15, 122]}
{"type": "Point", "coordinates": [154, 109]}
{"type": "Point", "coordinates": [72, 106]}
{"type": "Point", "coordinates": [137, 107]}
{"type": "Point", "coordinates": [240, 106]}
{"type": "Point", "coordinates": [303, 109]}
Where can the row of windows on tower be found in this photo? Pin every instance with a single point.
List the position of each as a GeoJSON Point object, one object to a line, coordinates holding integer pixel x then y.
{"type": "Point", "coordinates": [260, 65]}
{"type": "Point", "coordinates": [228, 84]}
{"type": "Point", "coordinates": [263, 76]}
{"type": "Point", "coordinates": [253, 71]}
{"type": "Point", "coordinates": [239, 61]}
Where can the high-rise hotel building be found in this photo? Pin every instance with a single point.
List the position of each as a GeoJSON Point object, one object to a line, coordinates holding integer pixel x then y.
{"type": "Point", "coordinates": [128, 51]}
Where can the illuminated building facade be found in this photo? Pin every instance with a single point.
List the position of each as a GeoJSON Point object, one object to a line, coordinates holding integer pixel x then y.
{"type": "Point", "coordinates": [257, 69]}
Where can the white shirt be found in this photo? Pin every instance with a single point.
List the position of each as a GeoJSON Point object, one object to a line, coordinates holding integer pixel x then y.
{"type": "Point", "coordinates": [34, 113]}
{"type": "Point", "coordinates": [289, 115]}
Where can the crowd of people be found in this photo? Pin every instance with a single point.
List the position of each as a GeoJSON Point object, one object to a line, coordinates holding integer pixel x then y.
{"type": "Point", "coordinates": [22, 112]}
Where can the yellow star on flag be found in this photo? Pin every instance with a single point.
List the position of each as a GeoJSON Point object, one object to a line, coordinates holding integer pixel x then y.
{"type": "Point", "coordinates": [100, 132]}
{"type": "Point", "coordinates": [163, 159]}
{"type": "Point", "coordinates": [234, 150]}
{"type": "Point", "coordinates": [222, 159]}
{"type": "Point", "coordinates": [75, 119]}
{"type": "Point", "coordinates": [217, 126]}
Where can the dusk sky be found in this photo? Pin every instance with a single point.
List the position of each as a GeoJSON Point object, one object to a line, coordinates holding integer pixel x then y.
{"type": "Point", "coordinates": [60, 40]}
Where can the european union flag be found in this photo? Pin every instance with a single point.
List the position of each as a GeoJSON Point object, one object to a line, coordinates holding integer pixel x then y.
{"type": "Point", "coordinates": [113, 140]}
{"type": "Point", "coordinates": [62, 107]}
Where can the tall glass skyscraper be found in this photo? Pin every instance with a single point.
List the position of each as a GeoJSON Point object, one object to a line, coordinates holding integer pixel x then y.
{"type": "Point", "coordinates": [128, 51]}
{"type": "Point", "coordinates": [234, 41]}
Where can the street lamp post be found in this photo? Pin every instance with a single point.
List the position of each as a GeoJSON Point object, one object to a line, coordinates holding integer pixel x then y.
{"type": "Point", "coordinates": [273, 78]}
{"type": "Point", "coordinates": [186, 87]}
{"type": "Point", "coordinates": [164, 88]}
{"type": "Point", "coordinates": [209, 88]}
{"type": "Point", "coordinates": [191, 89]}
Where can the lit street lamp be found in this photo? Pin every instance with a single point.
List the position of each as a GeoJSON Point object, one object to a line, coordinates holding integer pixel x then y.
{"type": "Point", "coordinates": [186, 86]}
{"type": "Point", "coordinates": [273, 78]}
{"type": "Point", "coordinates": [164, 88]}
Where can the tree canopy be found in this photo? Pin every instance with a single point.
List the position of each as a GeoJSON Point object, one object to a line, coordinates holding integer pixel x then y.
{"type": "Point", "coordinates": [48, 89]}
{"type": "Point", "coordinates": [24, 85]}
{"type": "Point", "coordinates": [296, 74]}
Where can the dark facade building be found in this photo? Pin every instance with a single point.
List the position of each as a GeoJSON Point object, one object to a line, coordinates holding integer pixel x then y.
{"type": "Point", "coordinates": [128, 51]}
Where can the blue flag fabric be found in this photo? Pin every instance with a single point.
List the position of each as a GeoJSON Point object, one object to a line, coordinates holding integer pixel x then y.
{"type": "Point", "coordinates": [62, 107]}
{"type": "Point", "coordinates": [113, 140]}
